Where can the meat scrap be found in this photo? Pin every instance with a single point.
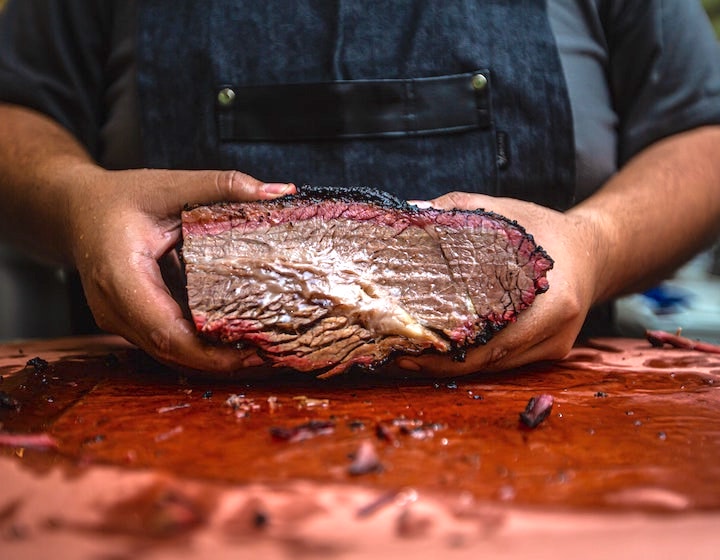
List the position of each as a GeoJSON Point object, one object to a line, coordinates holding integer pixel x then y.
{"type": "Point", "coordinates": [659, 338]}
{"type": "Point", "coordinates": [385, 433]}
{"type": "Point", "coordinates": [537, 409]}
{"type": "Point", "coordinates": [242, 405]}
{"type": "Point", "coordinates": [331, 278]}
{"type": "Point", "coordinates": [423, 430]}
{"type": "Point", "coordinates": [303, 431]}
{"type": "Point", "coordinates": [399, 498]}
{"type": "Point", "coordinates": [34, 441]}
{"type": "Point", "coordinates": [164, 409]}
{"type": "Point", "coordinates": [414, 428]}
{"type": "Point", "coordinates": [311, 402]}
{"type": "Point", "coordinates": [38, 364]}
{"type": "Point", "coordinates": [9, 402]}
{"type": "Point", "coordinates": [365, 460]}
{"type": "Point", "coordinates": [169, 434]}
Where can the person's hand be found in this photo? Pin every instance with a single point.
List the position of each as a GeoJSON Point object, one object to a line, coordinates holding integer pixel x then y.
{"type": "Point", "coordinates": [548, 329]}
{"type": "Point", "coordinates": [122, 224]}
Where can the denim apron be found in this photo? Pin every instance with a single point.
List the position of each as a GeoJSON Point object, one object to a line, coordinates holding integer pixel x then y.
{"type": "Point", "coordinates": [417, 98]}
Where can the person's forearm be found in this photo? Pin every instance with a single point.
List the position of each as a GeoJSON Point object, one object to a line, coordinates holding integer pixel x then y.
{"type": "Point", "coordinates": [658, 211]}
{"type": "Point", "coordinates": [39, 162]}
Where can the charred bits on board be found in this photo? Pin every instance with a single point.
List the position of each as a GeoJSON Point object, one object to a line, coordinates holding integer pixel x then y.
{"type": "Point", "coordinates": [537, 409]}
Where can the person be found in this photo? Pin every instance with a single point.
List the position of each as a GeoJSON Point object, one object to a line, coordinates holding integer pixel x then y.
{"type": "Point", "coordinates": [594, 123]}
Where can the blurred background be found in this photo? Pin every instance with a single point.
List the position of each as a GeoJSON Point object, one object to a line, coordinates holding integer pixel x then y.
{"type": "Point", "coordinates": [713, 10]}
{"type": "Point", "coordinates": [690, 300]}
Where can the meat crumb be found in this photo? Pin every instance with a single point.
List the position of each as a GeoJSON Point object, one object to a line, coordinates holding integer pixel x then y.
{"type": "Point", "coordinates": [242, 405]}
{"type": "Point", "coordinates": [310, 402]}
{"type": "Point", "coordinates": [384, 433]}
{"type": "Point", "coordinates": [273, 404]}
{"type": "Point", "coordinates": [164, 409]}
{"type": "Point", "coordinates": [38, 364]}
{"type": "Point", "coordinates": [659, 338]}
{"type": "Point", "coordinates": [365, 460]}
{"type": "Point", "coordinates": [537, 409]}
{"type": "Point", "coordinates": [35, 441]}
{"type": "Point", "coordinates": [415, 428]}
{"type": "Point", "coordinates": [304, 431]}
{"type": "Point", "coordinates": [9, 402]}
{"type": "Point", "coordinates": [169, 434]}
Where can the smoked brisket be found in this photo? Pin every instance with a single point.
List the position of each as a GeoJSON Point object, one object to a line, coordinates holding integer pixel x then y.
{"type": "Point", "coordinates": [331, 278]}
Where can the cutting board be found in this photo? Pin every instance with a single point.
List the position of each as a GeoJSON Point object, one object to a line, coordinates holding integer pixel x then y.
{"type": "Point", "coordinates": [128, 454]}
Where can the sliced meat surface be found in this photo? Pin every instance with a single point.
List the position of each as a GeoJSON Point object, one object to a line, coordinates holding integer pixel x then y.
{"type": "Point", "coordinates": [330, 277]}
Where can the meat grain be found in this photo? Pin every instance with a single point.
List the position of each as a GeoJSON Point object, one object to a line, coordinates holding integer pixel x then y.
{"type": "Point", "coordinates": [330, 278]}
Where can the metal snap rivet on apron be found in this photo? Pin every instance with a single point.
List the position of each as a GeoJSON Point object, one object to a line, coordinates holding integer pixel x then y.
{"type": "Point", "coordinates": [479, 82]}
{"type": "Point", "coordinates": [226, 96]}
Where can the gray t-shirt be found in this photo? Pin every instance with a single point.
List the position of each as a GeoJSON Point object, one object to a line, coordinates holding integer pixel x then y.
{"type": "Point", "coordinates": [637, 71]}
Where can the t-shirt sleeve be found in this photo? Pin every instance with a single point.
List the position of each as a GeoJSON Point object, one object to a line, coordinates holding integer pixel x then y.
{"type": "Point", "coordinates": [664, 70]}
{"type": "Point", "coordinates": [52, 59]}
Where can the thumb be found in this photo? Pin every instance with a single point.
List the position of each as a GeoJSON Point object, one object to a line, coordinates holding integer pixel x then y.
{"type": "Point", "coordinates": [204, 187]}
{"type": "Point", "coordinates": [237, 186]}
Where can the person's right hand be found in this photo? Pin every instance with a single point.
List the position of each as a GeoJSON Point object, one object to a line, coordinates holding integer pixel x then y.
{"type": "Point", "coordinates": [121, 224]}
{"type": "Point", "coordinates": [548, 329]}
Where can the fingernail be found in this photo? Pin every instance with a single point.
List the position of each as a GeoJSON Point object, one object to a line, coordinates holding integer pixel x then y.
{"type": "Point", "coordinates": [422, 204]}
{"type": "Point", "coordinates": [410, 365]}
{"type": "Point", "coordinates": [253, 361]}
{"type": "Point", "coordinates": [277, 188]}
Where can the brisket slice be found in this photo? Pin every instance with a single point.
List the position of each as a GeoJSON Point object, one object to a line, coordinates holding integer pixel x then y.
{"type": "Point", "coordinates": [331, 278]}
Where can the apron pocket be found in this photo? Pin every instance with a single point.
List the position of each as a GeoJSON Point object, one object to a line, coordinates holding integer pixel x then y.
{"type": "Point", "coordinates": [353, 109]}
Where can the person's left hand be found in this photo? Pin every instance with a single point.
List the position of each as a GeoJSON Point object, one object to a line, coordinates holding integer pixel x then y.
{"type": "Point", "coordinates": [548, 329]}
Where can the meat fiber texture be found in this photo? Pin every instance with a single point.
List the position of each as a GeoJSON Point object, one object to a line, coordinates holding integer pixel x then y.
{"type": "Point", "coordinates": [332, 278]}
